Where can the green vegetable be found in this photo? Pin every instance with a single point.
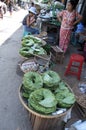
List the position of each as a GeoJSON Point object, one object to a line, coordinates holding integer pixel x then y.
{"type": "Point", "coordinates": [24, 51]}
{"type": "Point", "coordinates": [29, 51]}
{"type": "Point", "coordinates": [26, 95]}
{"type": "Point", "coordinates": [51, 79]}
{"type": "Point", "coordinates": [61, 87]}
{"type": "Point", "coordinates": [70, 99]}
{"type": "Point", "coordinates": [32, 81]}
{"type": "Point", "coordinates": [46, 92]}
{"type": "Point", "coordinates": [35, 39]}
{"type": "Point", "coordinates": [43, 101]}
{"type": "Point", "coordinates": [27, 43]}
{"type": "Point", "coordinates": [64, 97]}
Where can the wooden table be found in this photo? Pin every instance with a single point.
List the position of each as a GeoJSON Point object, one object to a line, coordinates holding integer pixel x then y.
{"type": "Point", "coordinates": [47, 26]}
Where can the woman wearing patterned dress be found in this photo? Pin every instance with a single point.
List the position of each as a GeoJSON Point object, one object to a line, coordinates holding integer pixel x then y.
{"type": "Point", "coordinates": [68, 18]}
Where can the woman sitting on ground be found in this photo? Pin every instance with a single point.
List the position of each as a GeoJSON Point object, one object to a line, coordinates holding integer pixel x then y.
{"type": "Point", "coordinates": [28, 22]}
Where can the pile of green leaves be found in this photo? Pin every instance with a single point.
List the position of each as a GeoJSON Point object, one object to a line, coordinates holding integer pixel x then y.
{"type": "Point", "coordinates": [46, 92]}
{"type": "Point", "coordinates": [32, 46]}
{"type": "Point", "coordinates": [30, 41]}
{"type": "Point", "coordinates": [31, 82]}
{"type": "Point", "coordinates": [43, 101]}
{"type": "Point", "coordinates": [33, 50]}
{"type": "Point", "coordinates": [51, 79]}
{"type": "Point", "coordinates": [64, 97]}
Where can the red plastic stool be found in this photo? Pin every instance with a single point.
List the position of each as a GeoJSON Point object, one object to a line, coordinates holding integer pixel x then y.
{"type": "Point", "coordinates": [77, 59]}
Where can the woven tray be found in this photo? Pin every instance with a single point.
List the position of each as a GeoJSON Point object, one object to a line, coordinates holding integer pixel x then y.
{"type": "Point", "coordinates": [37, 64]}
{"type": "Point", "coordinates": [80, 97]}
{"type": "Point", "coordinates": [28, 65]}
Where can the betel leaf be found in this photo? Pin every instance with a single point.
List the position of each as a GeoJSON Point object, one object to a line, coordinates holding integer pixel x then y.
{"type": "Point", "coordinates": [70, 99]}
{"type": "Point", "coordinates": [47, 78]}
{"type": "Point", "coordinates": [48, 102]}
{"type": "Point", "coordinates": [62, 85]}
{"type": "Point", "coordinates": [26, 95]}
{"type": "Point", "coordinates": [43, 101]}
{"type": "Point", "coordinates": [51, 78]}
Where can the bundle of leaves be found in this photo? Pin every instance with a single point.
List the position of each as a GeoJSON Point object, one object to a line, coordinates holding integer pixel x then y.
{"type": "Point", "coordinates": [24, 51]}
{"type": "Point", "coordinates": [64, 97]}
{"type": "Point", "coordinates": [51, 79]}
{"type": "Point", "coordinates": [31, 82]}
{"type": "Point", "coordinates": [42, 101]}
{"type": "Point", "coordinates": [46, 92]}
{"type": "Point", "coordinates": [32, 38]}
{"type": "Point", "coordinates": [33, 50]}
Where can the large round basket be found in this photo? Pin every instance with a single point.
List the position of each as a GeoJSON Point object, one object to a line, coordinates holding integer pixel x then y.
{"type": "Point", "coordinates": [40, 121]}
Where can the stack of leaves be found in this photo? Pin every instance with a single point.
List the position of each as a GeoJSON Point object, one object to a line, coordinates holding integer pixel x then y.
{"type": "Point", "coordinates": [64, 97]}
{"type": "Point", "coordinates": [42, 101]}
{"type": "Point", "coordinates": [31, 82]}
{"type": "Point", "coordinates": [32, 46]}
{"type": "Point", "coordinates": [30, 41]}
{"type": "Point", "coordinates": [33, 50]}
{"type": "Point", "coordinates": [51, 79]}
{"type": "Point", "coordinates": [46, 92]}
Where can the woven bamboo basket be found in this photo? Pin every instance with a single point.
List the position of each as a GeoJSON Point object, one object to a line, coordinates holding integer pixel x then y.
{"type": "Point", "coordinates": [34, 64]}
{"type": "Point", "coordinates": [29, 67]}
{"type": "Point", "coordinates": [45, 57]}
{"type": "Point", "coordinates": [80, 97]}
{"type": "Point", "coordinates": [42, 122]}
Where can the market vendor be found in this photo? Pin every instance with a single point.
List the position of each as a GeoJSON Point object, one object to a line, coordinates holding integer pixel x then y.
{"type": "Point", "coordinates": [68, 18]}
{"type": "Point", "coordinates": [28, 23]}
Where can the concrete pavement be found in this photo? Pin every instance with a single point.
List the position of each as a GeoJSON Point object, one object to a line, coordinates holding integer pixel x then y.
{"type": "Point", "coordinates": [13, 116]}
{"type": "Point", "coordinates": [10, 24]}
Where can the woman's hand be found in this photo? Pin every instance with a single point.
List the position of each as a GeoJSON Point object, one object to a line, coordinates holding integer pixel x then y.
{"type": "Point", "coordinates": [79, 18]}
{"type": "Point", "coordinates": [30, 20]}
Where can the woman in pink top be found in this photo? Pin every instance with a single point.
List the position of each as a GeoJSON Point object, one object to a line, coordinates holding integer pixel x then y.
{"type": "Point", "coordinates": [68, 19]}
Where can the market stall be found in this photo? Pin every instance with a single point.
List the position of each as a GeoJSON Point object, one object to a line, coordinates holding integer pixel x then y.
{"type": "Point", "coordinates": [47, 20]}
{"type": "Point", "coordinates": [46, 103]}
{"type": "Point", "coordinates": [46, 97]}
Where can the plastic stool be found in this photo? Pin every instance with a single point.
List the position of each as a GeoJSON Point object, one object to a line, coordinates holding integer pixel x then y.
{"type": "Point", "coordinates": [77, 59]}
